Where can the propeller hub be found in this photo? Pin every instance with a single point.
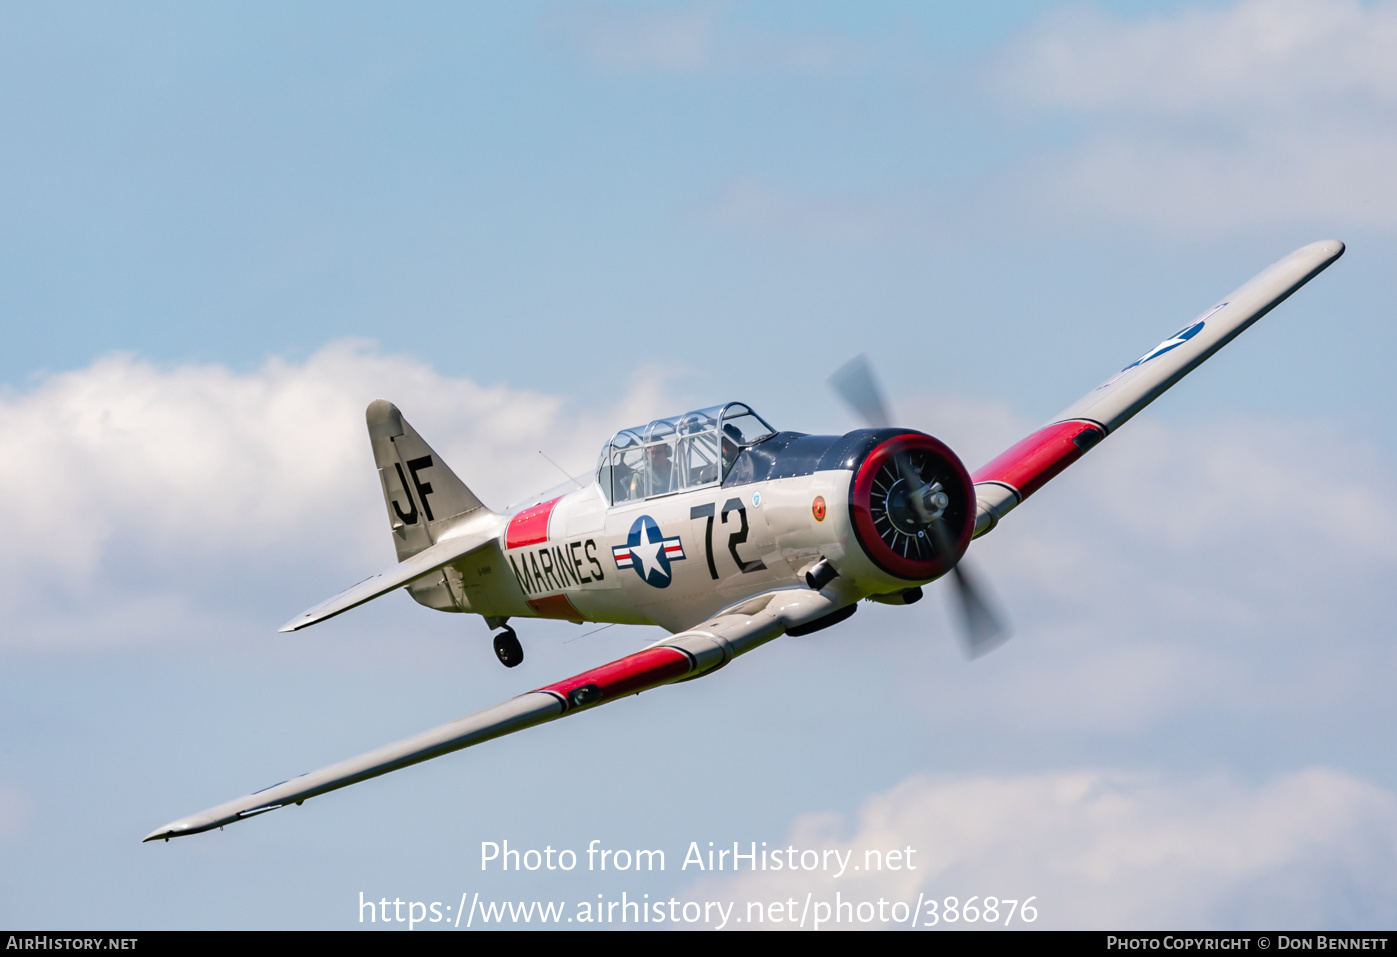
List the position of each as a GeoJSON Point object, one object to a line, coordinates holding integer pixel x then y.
{"type": "Point", "coordinates": [912, 511]}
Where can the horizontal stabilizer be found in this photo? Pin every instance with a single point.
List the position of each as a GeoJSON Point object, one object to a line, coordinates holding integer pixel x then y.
{"type": "Point", "coordinates": [475, 533]}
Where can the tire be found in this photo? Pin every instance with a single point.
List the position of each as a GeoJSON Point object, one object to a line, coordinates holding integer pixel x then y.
{"type": "Point", "coordinates": [508, 649]}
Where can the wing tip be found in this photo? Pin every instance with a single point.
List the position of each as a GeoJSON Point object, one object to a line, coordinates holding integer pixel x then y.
{"type": "Point", "coordinates": [1332, 249]}
{"type": "Point", "coordinates": [175, 829]}
{"type": "Point", "coordinates": [304, 620]}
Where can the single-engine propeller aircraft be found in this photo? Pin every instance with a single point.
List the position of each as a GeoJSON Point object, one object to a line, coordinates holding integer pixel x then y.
{"type": "Point", "coordinates": [722, 530]}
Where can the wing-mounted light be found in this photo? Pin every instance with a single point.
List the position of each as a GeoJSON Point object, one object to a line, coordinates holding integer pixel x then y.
{"type": "Point", "coordinates": [913, 507]}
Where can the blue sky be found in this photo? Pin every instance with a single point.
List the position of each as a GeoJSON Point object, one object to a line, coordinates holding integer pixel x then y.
{"type": "Point", "coordinates": [226, 229]}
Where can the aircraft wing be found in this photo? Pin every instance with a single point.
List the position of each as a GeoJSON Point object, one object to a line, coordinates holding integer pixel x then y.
{"type": "Point", "coordinates": [466, 539]}
{"type": "Point", "coordinates": [690, 654]}
{"type": "Point", "coordinates": [1030, 464]}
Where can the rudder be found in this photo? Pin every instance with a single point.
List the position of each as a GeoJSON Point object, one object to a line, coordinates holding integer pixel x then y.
{"type": "Point", "coordinates": [419, 489]}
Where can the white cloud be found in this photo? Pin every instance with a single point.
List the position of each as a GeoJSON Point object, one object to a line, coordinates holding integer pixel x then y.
{"type": "Point", "coordinates": [154, 501]}
{"type": "Point", "coordinates": [117, 481]}
{"type": "Point", "coordinates": [1332, 173]}
{"type": "Point", "coordinates": [698, 39]}
{"type": "Point", "coordinates": [1316, 848]}
{"type": "Point", "coordinates": [1274, 56]}
{"type": "Point", "coordinates": [1234, 476]}
{"type": "Point", "coordinates": [1202, 572]}
{"type": "Point", "coordinates": [1219, 118]}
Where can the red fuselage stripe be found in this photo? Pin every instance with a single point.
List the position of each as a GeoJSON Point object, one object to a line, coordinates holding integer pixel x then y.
{"type": "Point", "coordinates": [529, 527]}
{"type": "Point", "coordinates": [1027, 466]}
{"type": "Point", "coordinates": [555, 606]}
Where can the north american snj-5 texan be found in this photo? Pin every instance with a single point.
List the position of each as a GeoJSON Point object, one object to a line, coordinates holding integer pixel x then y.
{"type": "Point", "coordinates": [724, 532]}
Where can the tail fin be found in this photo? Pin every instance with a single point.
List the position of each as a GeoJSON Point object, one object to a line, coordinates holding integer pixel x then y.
{"type": "Point", "coordinates": [420, 490]}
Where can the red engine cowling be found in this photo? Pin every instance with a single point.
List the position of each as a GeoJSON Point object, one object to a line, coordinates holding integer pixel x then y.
{"type": "Point", "coordinates": [888, 528]}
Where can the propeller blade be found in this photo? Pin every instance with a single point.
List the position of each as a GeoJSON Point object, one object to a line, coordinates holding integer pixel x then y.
{"type": "Point", "coordinates": [981, 629]}
{"type": "Point", "coordinates": [856, 385]}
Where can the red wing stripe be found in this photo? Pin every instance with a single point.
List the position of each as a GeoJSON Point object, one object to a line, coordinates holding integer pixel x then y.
{"type": "Point", "coordinates": [529, 527]}
{"type": "Point", "coordinates": [1029, 465]}
{"type": "Point", "coordinates": [628, 675]}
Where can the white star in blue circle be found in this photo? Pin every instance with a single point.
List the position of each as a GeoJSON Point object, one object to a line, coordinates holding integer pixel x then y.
{"type": "Point", "coordinates": [649, 552]}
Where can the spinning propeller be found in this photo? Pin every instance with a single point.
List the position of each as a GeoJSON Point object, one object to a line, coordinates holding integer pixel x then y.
{"type": "Point", "coordinates": [981, 629]}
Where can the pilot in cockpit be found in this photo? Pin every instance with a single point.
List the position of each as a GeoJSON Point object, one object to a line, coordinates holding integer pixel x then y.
{"type": "Point", "coordinates": [732, 446]}
{"type": "Point", "coordinates": [661, 469]}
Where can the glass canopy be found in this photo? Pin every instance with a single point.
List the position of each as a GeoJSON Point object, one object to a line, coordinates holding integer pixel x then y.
{"type": "Point", "coordinates": [673, 455]}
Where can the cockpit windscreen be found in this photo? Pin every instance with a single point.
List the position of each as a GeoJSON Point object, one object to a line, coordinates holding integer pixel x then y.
{"type": "Point", "coordinates": [673, 455]}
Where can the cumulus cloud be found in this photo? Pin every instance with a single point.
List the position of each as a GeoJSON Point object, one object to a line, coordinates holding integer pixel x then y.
{"type": "Point", "coordinates": [1205, 119]}
{"type": "Point", "coordinates": [1218, 118]}
{"type": "Point", "coordinates": [697, 39]}
{"type": "Point", "coordinates": [144, 500]}
{"type": "Point", "coordinates": [121, 479]}
{"type": "Point", "coordinates": [1180, 584]}
{"type": "Point", "coordinates": [1275, 56]}
{"type": "Point", "coordinates": [1100, 849]}
{"type": "Point", "coordinates": [1184, 573]}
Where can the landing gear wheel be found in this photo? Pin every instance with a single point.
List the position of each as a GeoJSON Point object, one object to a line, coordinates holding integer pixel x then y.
{"type": "Point", "coordinates": [507, 648]}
